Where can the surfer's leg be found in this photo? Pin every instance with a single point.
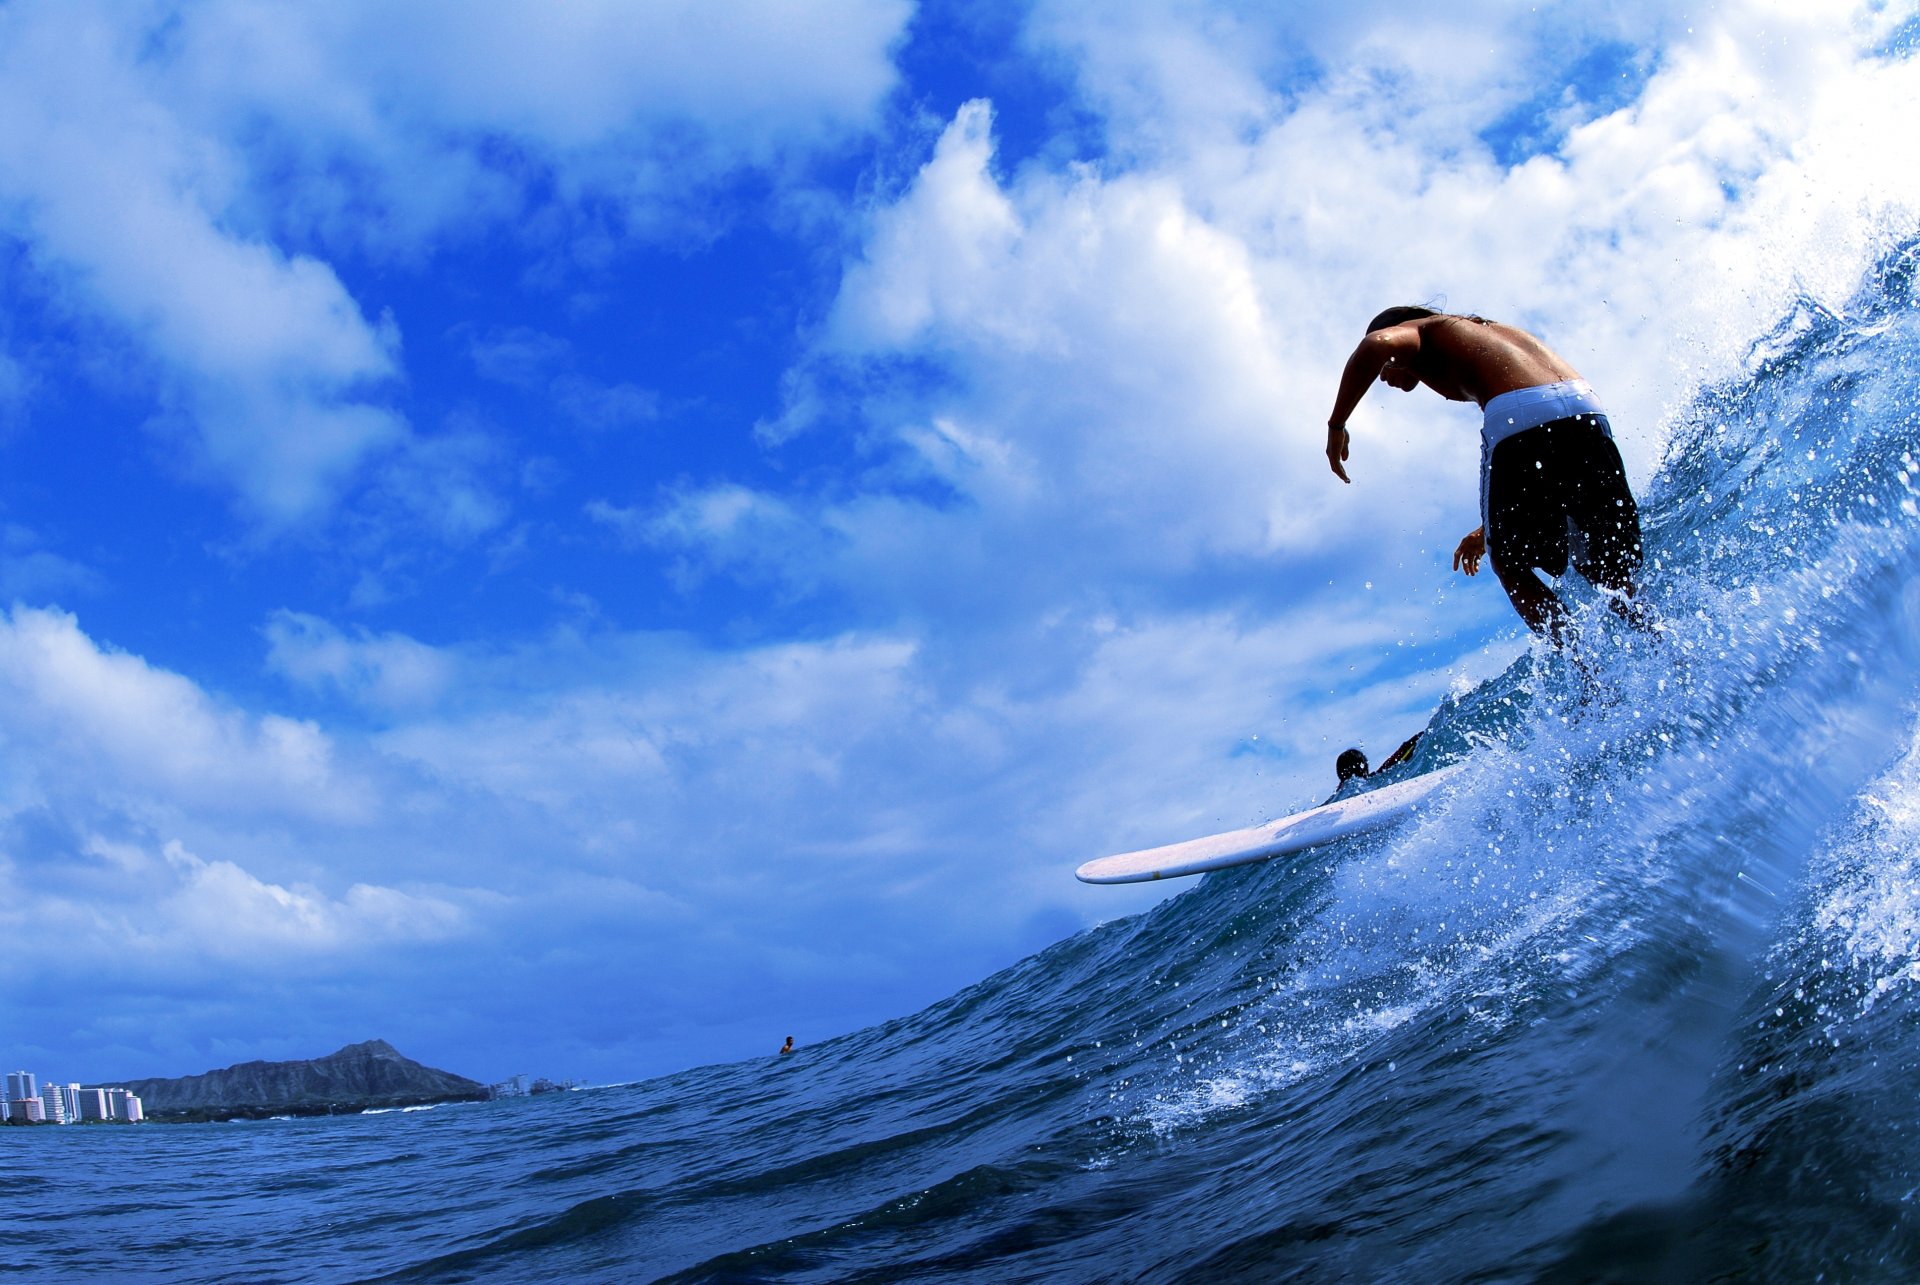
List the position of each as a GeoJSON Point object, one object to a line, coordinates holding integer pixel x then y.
{"type": "Point", "coordinates": [1622, 596]}
{"type": "Point", "coordinates": [1527, 528]}
{"type": "Point", "coordinates": [1602, 506]}
{"type": "Point", "coordinates": [1538, 605]}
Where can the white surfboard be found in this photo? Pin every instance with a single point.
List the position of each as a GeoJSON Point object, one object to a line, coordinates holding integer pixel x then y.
{"type": "Point", "coordinates": [1323, 824]}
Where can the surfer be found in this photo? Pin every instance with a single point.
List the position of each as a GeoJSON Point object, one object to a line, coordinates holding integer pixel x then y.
{"type": "Point", "coordinates": [1552, 488]}
{"type": "Point", "coordinates": [1352, 764]}
{"type": "Point", "coordinates": [787, 1047]}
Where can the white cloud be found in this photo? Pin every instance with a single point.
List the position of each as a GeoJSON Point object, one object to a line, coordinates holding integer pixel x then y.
{"type": "Point", "coordinates": [752, 73]}
{"type": "Point", "coordinates": [157, 833]}
{"type": "Point", "coordinates": [87, 720]}
{"type": "Point", "coordinates": [179, 171]}
{"type": "Point", "coordinates": [124, 203]}
{"type": "Point", "coordinates": [873, 759]}
{"type": "Point", "coordinates": [1186, 85]}
{"type": "Point", "coordinates": [384, 671]}
{"type": "Point", "coordinates": [927, 250]}
{"type": "Point", "coordinates": [219, 908]}
{"type": "Point", "coordinates": [668, 755]}
{"type": "Point", "coordinates": [1118, 402]}
{"type": "Point", "coordinates": [447, 483]}
{"type": "Point", "coordinates": [168, 912]}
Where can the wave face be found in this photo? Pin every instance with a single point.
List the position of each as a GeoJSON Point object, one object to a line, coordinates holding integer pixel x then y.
{"type": "Point", "coordinates": [1640, 1001]}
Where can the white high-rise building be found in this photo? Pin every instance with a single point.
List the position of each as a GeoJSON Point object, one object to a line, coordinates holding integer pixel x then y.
{"type": "Point", "coordinates": [93, 1104]}
{"type": "Point", "coordinates": [21, 1086]}
{"type": "Point", "coordinates": [53, 1105]}
{"type": "Point", "coordinates": [124, 1106]}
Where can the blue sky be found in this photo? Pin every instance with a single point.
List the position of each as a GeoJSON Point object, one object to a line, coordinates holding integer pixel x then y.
{"type": "Point", "coordinates": [588, 540]}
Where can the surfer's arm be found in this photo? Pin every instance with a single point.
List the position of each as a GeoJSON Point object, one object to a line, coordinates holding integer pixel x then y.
{"type": "Point", "coordinates": [1400, 755]}
{"type": "Point", "coordinates": [1369, 358]}
{"type": "Point", "coordinates": [1472, 548]}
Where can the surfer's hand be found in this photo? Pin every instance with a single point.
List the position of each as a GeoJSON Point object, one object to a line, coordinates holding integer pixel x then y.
{"type": "Point", "coordinates": [1337, 445]}
{"type": "Point", "coordinates": [1472, 548]}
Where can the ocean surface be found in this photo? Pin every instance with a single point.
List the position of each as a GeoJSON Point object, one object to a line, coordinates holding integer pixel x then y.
{"type": "Point", "coordinates": [1640, 1001]}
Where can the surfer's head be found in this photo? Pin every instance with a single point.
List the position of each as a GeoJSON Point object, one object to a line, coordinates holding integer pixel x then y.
{"type": "Point", "coordinates": [1401, 373]}
{"type": "Point", "coordinates": [1350, 764]}
{"type": "Point", "coordinates": [1399, 315]}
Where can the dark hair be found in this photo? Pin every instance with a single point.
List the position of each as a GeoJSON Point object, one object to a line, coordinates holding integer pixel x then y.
{"type": "Point", "coordinates": [1396, 315]}
{"type": "Point", "coordinates": [1406, 312]}
{"type": "Point", "coordinates": [1351, 763]}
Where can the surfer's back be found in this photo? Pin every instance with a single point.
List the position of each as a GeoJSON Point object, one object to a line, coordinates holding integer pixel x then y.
{"type": "Point", "coordinates": [1487, 358]}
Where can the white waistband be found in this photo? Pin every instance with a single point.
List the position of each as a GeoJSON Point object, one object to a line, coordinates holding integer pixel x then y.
{"type": "Point", "coordinates": [1526, 408]}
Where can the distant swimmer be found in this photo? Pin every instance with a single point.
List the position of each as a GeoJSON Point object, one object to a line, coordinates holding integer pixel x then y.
{"type": "Point", "coordinates": [1352, 764]}
{"type": "Point", "coordinates": [787, 1047]}
{"type": "Point", "coordinates": [1552, 488]}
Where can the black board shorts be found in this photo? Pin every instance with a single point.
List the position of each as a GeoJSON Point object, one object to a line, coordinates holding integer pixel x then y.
{"type": "Point", "coordinates": [1557, 492]}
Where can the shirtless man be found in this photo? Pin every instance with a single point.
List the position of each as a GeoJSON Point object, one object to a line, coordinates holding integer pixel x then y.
{"type": "Point", "coordinates": [1551, 483]}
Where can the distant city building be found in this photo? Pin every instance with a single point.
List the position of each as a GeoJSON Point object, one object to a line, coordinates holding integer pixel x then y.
{"type": "Point", "coordinates": [25, 1111]}
{"type": "Point", "coordinates": [24, 1101]}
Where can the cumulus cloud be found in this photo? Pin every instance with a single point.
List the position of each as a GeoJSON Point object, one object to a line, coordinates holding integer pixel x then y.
{"type": "Point", "coordinates": [750, 75]}
{"type": "Point", "coordinates": [220, 908]}
{"type": "Point", "coordinates": [162, 915]}
{"type": "Point", "coordinates": [84, 718]}
{"type": "Point", "coordinates": [1112, 417]}
{"type": "Point", "coordinates": [263, 351]}
{"type": "Point", "coordinates": [646, 763]}
{"type": "Point", "coordinates": [188, 174]}
{"type": "Point", "coordinates": [165, 841]}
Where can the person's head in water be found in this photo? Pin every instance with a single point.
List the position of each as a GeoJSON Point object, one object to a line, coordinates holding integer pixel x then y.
{"type": "Point", "coordinates": [1350, 764]}
{"type": "Point", "coordinates": [788, 1046]}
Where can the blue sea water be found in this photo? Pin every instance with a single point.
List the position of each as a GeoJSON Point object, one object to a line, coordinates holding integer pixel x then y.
{"type": "Point", "coordinates": [1640, 1001]}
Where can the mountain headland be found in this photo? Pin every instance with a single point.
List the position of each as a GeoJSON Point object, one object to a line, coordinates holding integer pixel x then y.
{"type": "Point", "coordinates": [358, 1077]}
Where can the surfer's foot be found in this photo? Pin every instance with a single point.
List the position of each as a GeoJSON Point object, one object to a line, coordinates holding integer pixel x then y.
{"type": "Point", "coordinates": [1638, 614]}
{"type": "Point", "coordinates": [1594, 687]}
{"type": "Point", "coordinates": [1591, 690]}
